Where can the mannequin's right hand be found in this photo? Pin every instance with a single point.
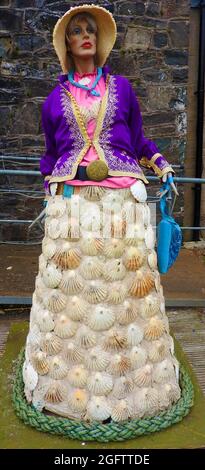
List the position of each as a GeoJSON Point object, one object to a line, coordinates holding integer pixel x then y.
{"type": "Point", "coordinates": [53, 188]}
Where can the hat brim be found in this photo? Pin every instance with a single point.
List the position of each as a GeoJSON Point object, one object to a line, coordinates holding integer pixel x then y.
{"type": "Point", "coordinates": [107, 33]}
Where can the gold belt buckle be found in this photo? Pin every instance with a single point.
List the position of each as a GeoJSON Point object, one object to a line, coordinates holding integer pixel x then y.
{"type": "Point", "coordinates": [97, 170]}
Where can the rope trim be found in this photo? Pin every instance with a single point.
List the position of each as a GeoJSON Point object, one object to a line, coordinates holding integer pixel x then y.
{"type": "Point", "coordinates": [97, 431]}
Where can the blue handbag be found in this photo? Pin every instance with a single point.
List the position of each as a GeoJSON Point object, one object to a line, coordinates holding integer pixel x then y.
{"type": "Point", "coordinates": [169, 238]}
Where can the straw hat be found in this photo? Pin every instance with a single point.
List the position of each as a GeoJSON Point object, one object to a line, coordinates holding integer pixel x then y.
{"type": "Point", "coordinates": [107, 32]}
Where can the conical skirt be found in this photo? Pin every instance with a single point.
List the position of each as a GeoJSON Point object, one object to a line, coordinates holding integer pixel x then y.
{"type": "Point", "coordinates": [99, 347]}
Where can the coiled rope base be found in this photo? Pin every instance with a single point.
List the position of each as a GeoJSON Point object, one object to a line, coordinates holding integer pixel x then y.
{"type": "Point", "coordinates": [97, 431]}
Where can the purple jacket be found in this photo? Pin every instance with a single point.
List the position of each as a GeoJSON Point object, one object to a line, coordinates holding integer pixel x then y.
{"type": "Point", "coordinates": [119, 139]}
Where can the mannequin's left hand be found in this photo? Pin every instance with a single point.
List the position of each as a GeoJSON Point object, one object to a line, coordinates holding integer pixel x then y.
{"type": "Point", "coordinates": [168, 178]}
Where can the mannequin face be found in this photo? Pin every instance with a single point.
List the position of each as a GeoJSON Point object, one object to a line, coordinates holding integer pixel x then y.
{"type": "Point", "coordinates": [81, 33]}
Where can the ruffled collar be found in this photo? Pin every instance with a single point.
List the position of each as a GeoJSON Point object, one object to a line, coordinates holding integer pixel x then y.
{"type": "Point", "coordinates": [86, 74]}
{"type": "Point", "coordinates": [105, 70]}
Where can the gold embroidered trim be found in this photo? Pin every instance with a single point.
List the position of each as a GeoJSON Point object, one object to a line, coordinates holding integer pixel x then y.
{"type": "Point", "coordinates": [144, 161]}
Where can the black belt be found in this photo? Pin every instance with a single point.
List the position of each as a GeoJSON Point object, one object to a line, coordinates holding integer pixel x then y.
{"type": "Point", "coordinates": [81, 173]}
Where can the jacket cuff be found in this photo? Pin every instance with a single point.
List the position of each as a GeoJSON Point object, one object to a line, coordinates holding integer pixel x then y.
{"type": "Point", "coordinates": [46, 187]}
{"type": "Point", "coordinates": [157, 163]}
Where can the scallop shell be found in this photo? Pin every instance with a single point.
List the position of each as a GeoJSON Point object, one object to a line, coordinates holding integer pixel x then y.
{"type": "Point", "coordinates": [100, 383]}
{"type": "Point", "coordinates": [40, 362]}
{"type": "Point", "coordinates": [143, 377]}
{"type": "Point", "coordinates": [56, 207]}
{"type": "Point", "coordinates": [52, 276]}
{"type": "Point", "coordinates": [146, 401]}
{"type": "Point", "coordinates": [52, 228]}
{"type": "Point", "coordinates": [85, 338]}
{"type": "Point", "coordinates": [58, 368]}
{"type": "Point", "coordinates": [133, 258]}
{"type": "Point", "coordinates": [78, 376]}
{"type": "Point", "coordinates": [149, 307]}
{"type": "Point", "coordinates": [158, 351]}
{"type": "Point", "coordinates": [119, 365]}
{"type": "Point", "coordinates": [134, 334]}
{"type": "Point", "coordinates": [48, 248]}
{"type": "Point", "coordinates": [71, 282]}
{"type": "Point", "coordinates": [172, 391]}
{"type": "Point", "coordinates": [76, 308]}
{"type": "Point", "coordinates": [135, 233]}
{"type": "Point", "coordinates": [98, 408]}
{"type": "Point", "coordinates": [95, 293]}
{"type": "Point", "coordinates": [117, 294]}
{"type": "Point", "coordinates": [97, 360]}
{"type": "Point", "coordinates": [114, 248]}
{"type": "Point", "coordinates": [92, 193]}
{"type": "Point", "coordinates": [149, 237]}
{"type": "Point", "coordinates": [127, 313]}
{"type": "Point", "coordinates": [90, 245]}
{"type": "Point", "coordinates": [114, 270]}
{"type": "Point", "coordinates": [139, 191]}
{"type": "Point", "coordinates": [55, 301]}
{"type": "Point", "coordinates": [129, 212]}
{"type": "Point", "coordinates": [163, 372]}
{"type": "Point", "coordinates": [77, 400]}
{"type": "Point", "coordinates": [118, 226]}
{"type": "Point", "coordinates": [101, 318]}
{"type": "Point", "coordinates": [30, 376]}
{"type": "Point", "coordinates": [91, 268]}
{"type": "Point", "coordinates": [143, 213]}
{"type": "Point", "coordinates": [51, 344]}
{"type": "Point", "coordinates": [122, 387]}
{"type": "Point", "coordinates": [42, 263]}
{"type": "Point", "coordinates": [90, 217]}
{"type": "Point", "coordinates": [142, 284]}
{"type": "Point", "coordinates": [40, 288]}
{"type": "Point", "coordinates": [66, 257]}
{"type": "Point", "coordinates": [138, 357]}
{"type": "Point", "coordinates": [154, 329]}
{"type": "Point", "coordinates": [64, 327]}
{"type": "Point", "coordinates": [152, 260]}
{"type": "Point", "coordinates": [73, 229]}
{"type": "Point", "coordinates": [56, 393]}
{"type": "Point", "coordinates": [45, 322]}
{"type": "Point", "coordinates": [34, 336]}
{"type": "Point", "coordinates": [114, 341]}
{"type": "Point", "coordinates": [73, 354]}
{"type": "Point", "coordinates": [112, 201]}
{"type": "Point", "coordinates": [122, 411]}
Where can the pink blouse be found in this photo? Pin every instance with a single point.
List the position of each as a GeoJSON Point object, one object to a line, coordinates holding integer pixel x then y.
{"type": "Point", "coordinates": [86, 99]}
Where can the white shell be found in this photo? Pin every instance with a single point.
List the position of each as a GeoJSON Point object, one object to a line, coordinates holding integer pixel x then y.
{"type": "Point", "coordinates": [154, 329]}
{"type": "Point", "coordinates": [71, 282]}
{"type": "Point", "coordinates": [51, 344]}
{"type": "Point", "coordinates": [92, 193]}
{"type": "Point", "coordinates": [90, 217]}
{"type": "Point", "coordinates": [42, 263]}
{"type": "Point", "coordinates": [134, 334]}
{"type": "Point", "coordinates": [97, 360]}
{"type": "Point", "coordinates": [56, 207]}
{"type": "Point", "coordinates": [117, 294]}
{"type": "Point", "coordinates": [113, 201]}
{"type": "Point", "coordinates": [119, 365]}
{"type": "Point", "coordinates": [114, 270]}
{"type": "Point", "coordinates": [150, 238]}
{"type": "Point", "coordinates": [56, 393]}
{"type": "Point", "coordinates": [149, 306]}
{"type": "Point", "coordinates": [122, 387]}
{"type": "Point", "coordinates": [34, 336]}
{"type": "Point", "coordinates": [52, 276]}
{"type": "Point", "coordinates": [90, 245]}
{"type": "Point", "coordinates": [138, 357]}
{"type": "Point", "coordinates": [127, 313]}
{"type": "Point", "coordinates": [45, 321]}
{"type": "Point", "coordinates": [48, 248]}
{"type": "Point", "coordinates": [95, 293]}
{"type": "Point", "coordinates": [163, 372]}
{"type": "Point", "coordinates": [73, 354]}
{"type": "Point", "coordinates": [143, 376]}
{"type": "Point", "coordinates": [152, 260]}
{"type": "Point", "coordinates": [78, 376]}
{"type": "Point", "coordinates": [76, 308]}
{"type": "Point", "coordinates": [58, 368]}
{"type": "Point", "coordinates": [146, 401]}
{"type": "Point", "coordinates": [40, 288]}
{"type": "Point", "coordinates": [64, 327]}
{"type": "Point", "coordinates": [139, 191]}
{"type": "Point", "coordinates": [101, 318]}
{"type": "Point", "coordinates": [91, 268]}
{"type": "Point", "coordinates": [114, 248]}
{"type": "Point", "coordinates": [129, 212]}
{"type": "Point", "coordinates": [30, 376]}
{"type": "Point", "coordinates": [67, 257]}
{"type": "Point", "coordinates": [115, 341]}
{"type": "Point", "coordinates": [55, 301]}
{"type": "Point", "coordinates": [52, 228]}
{"type": "Point", "coordinates": [134, 234]}
{"type": "Point", "coordinates": [158, 350]}
{"type": "Point", "coordinates": [121, 411]}
{"type": "Point", "coordinates": [78, 399]}
{"type": "Point", "coordinates": [100, 383]}
{"type": "Point", "coordinates": [40, 362]}
{"type": "Point", "coordinates": [98, 408]}
{"type": "Point", "coordinates": [85, 338]}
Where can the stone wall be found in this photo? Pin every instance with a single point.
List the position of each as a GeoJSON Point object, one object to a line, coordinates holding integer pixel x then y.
{"type": "Point", "coordinates": [151, 50]}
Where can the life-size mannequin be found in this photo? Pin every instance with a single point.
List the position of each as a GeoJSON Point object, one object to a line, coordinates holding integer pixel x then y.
{"type": "Point", "coordinates": [99, 347]}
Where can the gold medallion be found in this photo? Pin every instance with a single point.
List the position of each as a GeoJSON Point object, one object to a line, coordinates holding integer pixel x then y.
{"type": "Point", "coordinates": [97, 170]}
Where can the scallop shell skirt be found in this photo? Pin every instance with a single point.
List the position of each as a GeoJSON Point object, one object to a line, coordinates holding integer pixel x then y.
{"type": "Point", "coordinates": [99, 347]}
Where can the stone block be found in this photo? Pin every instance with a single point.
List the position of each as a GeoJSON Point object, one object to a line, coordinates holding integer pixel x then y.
{"type": "Point", "coordinates": [137, 38]}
